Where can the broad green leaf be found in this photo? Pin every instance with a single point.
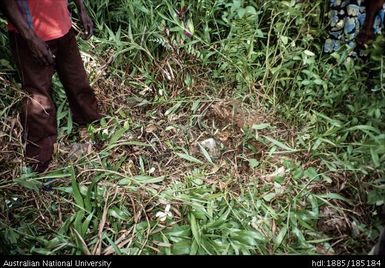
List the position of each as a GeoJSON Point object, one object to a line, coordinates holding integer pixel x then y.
{"type": "Point", "coordinates": [279, 144]}
{"type": "Point", "coordinates": [75, 190]}
{"type": "Point", "coordinates": [268, 197]}
{"type": "Point", "coordinates": [281, 235]}
{"type": "Point", "coordinates": [194, 228]}
{"type": "Point", "coordinates": [190, 158]}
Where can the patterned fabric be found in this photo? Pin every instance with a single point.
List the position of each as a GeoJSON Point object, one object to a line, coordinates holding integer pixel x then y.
{"type": "Point", "coordinates": [346, 20]}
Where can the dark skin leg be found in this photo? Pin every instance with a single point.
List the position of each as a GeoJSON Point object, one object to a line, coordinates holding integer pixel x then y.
{"type": "Point", "coordinates": [366, 34]}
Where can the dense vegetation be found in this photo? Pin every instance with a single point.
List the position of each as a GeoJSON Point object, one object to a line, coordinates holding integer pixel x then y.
{"type": "Point", "coordinates": [298, 164]}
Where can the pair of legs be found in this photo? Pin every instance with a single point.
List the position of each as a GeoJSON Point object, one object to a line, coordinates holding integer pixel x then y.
{"type": "Point", "coordinates": [38, 113]}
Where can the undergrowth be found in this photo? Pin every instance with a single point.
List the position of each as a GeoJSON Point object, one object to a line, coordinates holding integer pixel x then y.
{"type": "Point", "coordinates": [299, 158]}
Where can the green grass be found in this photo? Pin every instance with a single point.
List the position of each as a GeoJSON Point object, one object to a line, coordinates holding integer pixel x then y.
{"type": "Point", "coordinates": [301, 138]}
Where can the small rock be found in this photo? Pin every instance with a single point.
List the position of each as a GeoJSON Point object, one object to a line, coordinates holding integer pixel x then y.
{"type": "Point", "coordinates": [151, 128]}
{"type": "Point", "coordinates": [78, 150]}
{"type": "Point", "coordinates": [212, 147]}
{"type": "Point", "coordinates": [277, 173]}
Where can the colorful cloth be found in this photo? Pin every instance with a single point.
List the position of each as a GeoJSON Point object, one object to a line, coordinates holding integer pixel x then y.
{"type": "Point", "coordinates": [346, 20]}
{"type": "Point", "coordinates": [49, 18]}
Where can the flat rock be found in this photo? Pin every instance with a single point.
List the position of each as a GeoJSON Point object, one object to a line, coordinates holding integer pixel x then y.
{"type": "Point", "coordinates": [212, 147]}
